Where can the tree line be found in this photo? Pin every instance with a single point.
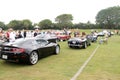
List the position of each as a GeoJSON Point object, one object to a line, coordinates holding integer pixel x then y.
{"type": "Point", "coordinates": [108, 18]}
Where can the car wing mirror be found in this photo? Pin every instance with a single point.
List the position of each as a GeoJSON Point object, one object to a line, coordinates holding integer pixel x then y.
{"type": "Point", "coordinates": [47, 42]}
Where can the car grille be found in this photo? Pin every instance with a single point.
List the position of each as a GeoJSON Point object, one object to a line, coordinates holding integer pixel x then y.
{"type": "Point", "coordinates": [75, 42]}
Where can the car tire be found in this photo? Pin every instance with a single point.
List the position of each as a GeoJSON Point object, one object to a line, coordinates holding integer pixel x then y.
{"type": "Point", "coordinates": [85, 45]}
{"type": "Point", "coordinates": [57, 49]}
{"type": "Point", "coordinates": [33, 58]}
{"type": "Point", "coordinates": [70, 46]}
{"type": "Point", "coordinates": [89, 44]}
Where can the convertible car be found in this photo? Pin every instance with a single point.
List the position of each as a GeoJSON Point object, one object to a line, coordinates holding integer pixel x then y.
{"type": "Point", "coordinates": [29, 50]}
{"type": "Point", "coordinates": [61, 36]}
{"type": "Point", "coordinates": [79, 42]}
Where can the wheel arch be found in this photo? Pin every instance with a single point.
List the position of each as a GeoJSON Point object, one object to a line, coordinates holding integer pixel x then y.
{"type": "Point", "coordinates": [39, 54]}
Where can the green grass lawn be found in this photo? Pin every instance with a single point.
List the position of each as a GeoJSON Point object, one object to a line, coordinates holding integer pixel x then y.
{"type": "Point", "coordinates": [105, 65]}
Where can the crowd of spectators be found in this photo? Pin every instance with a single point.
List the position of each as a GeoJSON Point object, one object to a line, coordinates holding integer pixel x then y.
{"type": "Point", "coordinates": [11, 35]}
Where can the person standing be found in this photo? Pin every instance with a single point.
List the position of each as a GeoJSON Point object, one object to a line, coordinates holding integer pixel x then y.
{"type": "Point", "coordinates": [36, 32]}
{"type": "Point", "coordinates": [18, 35]}
{"type": "Point", "coordinates": [11, 35]}
{"type": "Point", "coordinates": [7, 35]}
{"type": "Point", "coordinates": [24, 33]}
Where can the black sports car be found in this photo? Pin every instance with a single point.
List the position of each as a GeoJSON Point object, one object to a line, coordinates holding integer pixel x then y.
{"type": "Point", "coordinates": [79, 42]}
{"type": "Point", "coordinates": [28, 50]}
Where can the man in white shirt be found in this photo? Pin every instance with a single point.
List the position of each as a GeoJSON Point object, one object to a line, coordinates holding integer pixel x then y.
{"type": "Point", "coordinates": [12, 35]}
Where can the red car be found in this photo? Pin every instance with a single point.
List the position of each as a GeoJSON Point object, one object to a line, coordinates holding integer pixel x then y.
{"type": "Point", "coordinates": [61, 36]}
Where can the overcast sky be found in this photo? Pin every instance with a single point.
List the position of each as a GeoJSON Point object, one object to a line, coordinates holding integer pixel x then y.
{"type": "Point", "coordinates": [37, 10]}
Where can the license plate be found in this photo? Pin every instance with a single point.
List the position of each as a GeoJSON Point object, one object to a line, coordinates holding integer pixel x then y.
{"type": "Point", "coordinates": [4, 56]}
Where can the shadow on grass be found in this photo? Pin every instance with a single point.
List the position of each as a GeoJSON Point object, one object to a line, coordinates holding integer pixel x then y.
{"type": "Point", "coordinates": [21, 63]}
{"type": "Point", "coordinates": [77, 48]}
{"type": "Point", "coordinates": [13, 64]}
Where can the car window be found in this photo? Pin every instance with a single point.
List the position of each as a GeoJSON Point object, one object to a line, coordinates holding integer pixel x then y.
{"type": "Point", "coordinates": [41, 42]}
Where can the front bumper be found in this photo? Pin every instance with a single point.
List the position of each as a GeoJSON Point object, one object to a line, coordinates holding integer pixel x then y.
{"type": "Point", "coordinates": [75, 44]}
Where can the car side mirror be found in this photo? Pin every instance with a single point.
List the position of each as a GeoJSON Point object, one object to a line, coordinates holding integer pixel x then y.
{"type": "Point", "coordinates": [48, 42]}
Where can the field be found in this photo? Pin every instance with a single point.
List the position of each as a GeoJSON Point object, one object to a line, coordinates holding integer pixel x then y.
{"type": "Point", "coordinates": [104, 65]}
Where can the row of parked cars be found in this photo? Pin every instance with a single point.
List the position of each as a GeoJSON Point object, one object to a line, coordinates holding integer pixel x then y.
{"type": "Point", "coordinates": [30, 50]}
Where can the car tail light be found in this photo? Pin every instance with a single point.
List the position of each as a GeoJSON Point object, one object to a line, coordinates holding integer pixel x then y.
{"type": "Point", "coordinates": [18, 50]}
